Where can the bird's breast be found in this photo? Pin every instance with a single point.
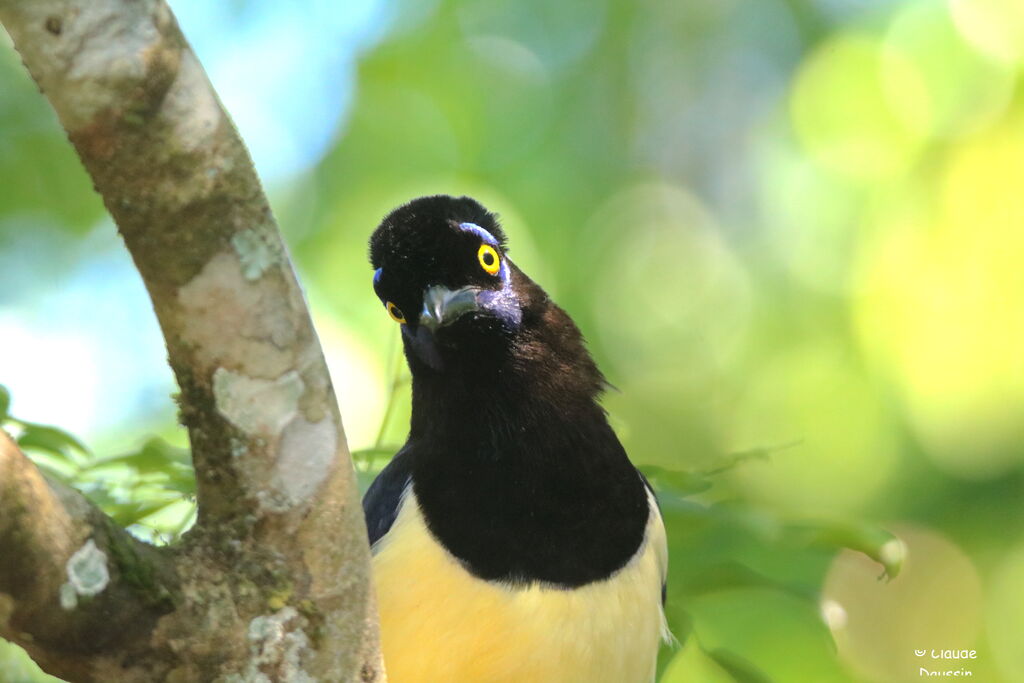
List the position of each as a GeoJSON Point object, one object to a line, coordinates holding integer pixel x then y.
{"type": "Point", "coordinates": [439, 622]}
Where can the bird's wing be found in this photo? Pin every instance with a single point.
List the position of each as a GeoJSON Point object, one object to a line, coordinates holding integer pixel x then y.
{"type": "Point", "coordinates": [381, 502]}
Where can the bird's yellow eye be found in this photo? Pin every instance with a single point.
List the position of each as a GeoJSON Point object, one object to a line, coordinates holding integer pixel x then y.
{"type": "Point", "coordinates": [396, 313]}
{"type": "Point", "coordinates": [488, 257]}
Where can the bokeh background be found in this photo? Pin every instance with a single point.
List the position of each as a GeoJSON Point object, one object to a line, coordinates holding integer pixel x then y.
{"type": "Point", "coordinates": [792, 231]}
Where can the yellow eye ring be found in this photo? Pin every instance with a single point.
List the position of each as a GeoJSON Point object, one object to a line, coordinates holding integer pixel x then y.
{"type": "Point", "coordinates": [395, 312]}
{"type": "Point", "coordinates": [488, 257]}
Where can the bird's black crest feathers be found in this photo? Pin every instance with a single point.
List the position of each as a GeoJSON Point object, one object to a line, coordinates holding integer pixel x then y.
{"type": "Point", "coordinates": [414, 227]}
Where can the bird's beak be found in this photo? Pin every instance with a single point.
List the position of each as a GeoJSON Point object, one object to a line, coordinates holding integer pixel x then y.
{"type": "Point", "coordinates": [442, 306]}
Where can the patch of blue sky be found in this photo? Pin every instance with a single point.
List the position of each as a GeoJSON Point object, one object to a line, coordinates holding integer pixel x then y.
{"type": "Point", "coordinates": [84, 353]}
{"type": "Point", "coordinates": [284, 70]}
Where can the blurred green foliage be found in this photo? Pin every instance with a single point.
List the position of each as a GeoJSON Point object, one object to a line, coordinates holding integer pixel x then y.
{"type": "Point", "coordinates": [150, 490]}
{"type": "Point", "coordinates": [791, 232]}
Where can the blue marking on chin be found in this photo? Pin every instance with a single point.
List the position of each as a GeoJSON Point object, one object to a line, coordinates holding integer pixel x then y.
{"type": "Point", "coordinates": [479, 232]}
{"type": "Point", "coordinates": [376, 276]}
{"type": "Point", "coordinates": [502, 303]}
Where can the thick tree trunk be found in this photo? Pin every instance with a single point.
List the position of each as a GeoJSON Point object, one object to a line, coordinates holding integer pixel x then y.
{"type": "Point", "coordinates": [273, 583]}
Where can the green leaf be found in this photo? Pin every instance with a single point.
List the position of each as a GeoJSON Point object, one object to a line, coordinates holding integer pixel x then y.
{"type": "Point", "coordinates": [688, 482]}
{"type": "Point", "coordinates": [741, 670]}
{"type": "Point", "coordinates": [183, 482]}
{"type": "Point", "coordinates": [732, 460]}
{"type": "Point", "coordinates": [133, 486]}
{"type": "Point", "coordinates": [129, 513]}
{"type": "Point", "coordinates": [681, 624]}
{"type": "Point", "coordinates": [680, 481]}
{"type": "Point", "coordinates": [5, 403]}
{"type": "Point", "coordinates": [156, 455]}
{"type": "Point", "coordinates": [52, 472]}
{"type": "Point", "coordinates": [374, 452]}
{"type": "Point", "coordinates": [877, 543]}
{"type": "Point", "coordinates": [734, 575]}
{"type": "Point", "coordinates": [50, 440]}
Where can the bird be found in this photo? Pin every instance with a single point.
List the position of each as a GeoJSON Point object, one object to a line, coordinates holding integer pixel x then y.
{"type": "Point", "coordinates": [512, 540]}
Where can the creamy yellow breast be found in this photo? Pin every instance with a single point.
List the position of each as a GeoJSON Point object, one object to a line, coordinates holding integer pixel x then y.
{"type": "Point", "coordinates": [439, 623]}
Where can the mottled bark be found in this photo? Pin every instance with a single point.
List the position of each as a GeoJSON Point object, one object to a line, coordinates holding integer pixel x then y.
{"type": "Point", "coordinates": [273, 583]}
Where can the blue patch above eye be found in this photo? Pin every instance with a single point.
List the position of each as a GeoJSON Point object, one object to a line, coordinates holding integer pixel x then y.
{"type": "Point", "coordinates": [479, 232]}
{"type": "Point", "coordinates": [376, 281]}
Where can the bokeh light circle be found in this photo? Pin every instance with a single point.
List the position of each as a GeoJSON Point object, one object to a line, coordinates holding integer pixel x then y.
{"type": "Point", "coordinates": [842, 110]}
{"type": "Point", "coordinates": [934, 603]}
{"type": "Point", "coordinates": [940, 313]}
{"type": "Point", "coordinates": [561, 33]}
{"type": "Point", "coordinates": [841, 447]}
{"type": "Point", "coordinates": [1005, 614]}
{"type": "Point", "coordinates": [962, 90]}
{"type": "Point", "coordinates": [671, 307]}
{"type": "Point", "coordinates": [670, 296]}
{"type": "Point", "coordinates": [812, 219]}
{"type": "Point", "coordinates": [994, 27]}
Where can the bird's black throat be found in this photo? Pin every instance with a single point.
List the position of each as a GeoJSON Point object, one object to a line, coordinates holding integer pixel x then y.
{"type": "Point", "coordinates": [515, 467]}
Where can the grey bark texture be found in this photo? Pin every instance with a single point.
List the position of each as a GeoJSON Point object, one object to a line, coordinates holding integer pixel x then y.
{"type": "Point", "coordinates": [273, 583]}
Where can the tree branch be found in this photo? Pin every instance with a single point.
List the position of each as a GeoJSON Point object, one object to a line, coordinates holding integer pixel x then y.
{"type": "Point", "coordinates": [279, 549]}
{"type": "Point", "coordinates": [64, 580]}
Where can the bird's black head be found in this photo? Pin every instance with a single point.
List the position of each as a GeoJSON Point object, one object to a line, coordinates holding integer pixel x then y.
{"type": "Point", "coordinates": [443, 274]}
{"type": "Point", "coordinates": [469, 317]}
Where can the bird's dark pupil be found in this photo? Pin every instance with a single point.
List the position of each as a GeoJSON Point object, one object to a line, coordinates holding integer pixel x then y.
{"type": "Point", "coordinates": [488, 259]}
